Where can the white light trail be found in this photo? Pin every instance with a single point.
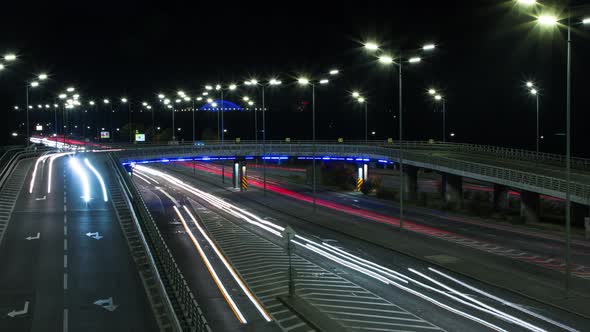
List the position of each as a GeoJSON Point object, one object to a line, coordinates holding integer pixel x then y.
{"type": "Point", "coordinates": [99, 177]}
{"type": "Point", "coordinates": [224, 292]}
{"type": "Point", "coordinates": [217, 202]}
{"type": "Point", "coordinates": [504, 302]}
{"type": "Point", "coordinates": [34, 176]}
{"type": "Point", "coordinates": [50, 173]}
{"type": "Point", "coordinates": [482, 306]}
{"type": "Point", "coordinates": [141, 177]}
{"type": "Point", "coordinates": [230, 269]}
{"type": "Point", "coordinates": [83, 177]}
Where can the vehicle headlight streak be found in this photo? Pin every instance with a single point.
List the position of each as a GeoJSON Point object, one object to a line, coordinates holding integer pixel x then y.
{"type": "Point", "coordinates": [100, 180]}
{"type": "Point", "coordinates": [34, 176]}
{"type": "Point", "coordinates": [50, 172]}
{"type": "Point", "coordinates": [229, 268]}
{"type": "Point", "coordinates": [371, 269]}
{"type": "Point", "coordinates": [83, 177]}
{"type": "Point", "coordinates": [224, 292]}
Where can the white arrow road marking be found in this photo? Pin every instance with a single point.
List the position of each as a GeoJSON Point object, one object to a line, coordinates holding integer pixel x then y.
{"type": "Point", "coordinates": [94, 235]}
{"type": "Point", "coordinates": [106, 304]}
{"type": "Point", "coordinates": [41, 199]}
{"type": "Point", "coordinates": [33, 237]}
{"type": "Point", "coordinates": [20, 312]}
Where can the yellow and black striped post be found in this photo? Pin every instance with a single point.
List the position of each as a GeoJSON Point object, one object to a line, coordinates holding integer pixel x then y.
{"type": "Point", "coordinates": [359, 184]}
{"type": "Point", "coordinates": [243, 178]}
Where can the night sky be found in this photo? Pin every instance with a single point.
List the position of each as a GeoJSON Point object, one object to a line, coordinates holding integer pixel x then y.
{"type": "Point", "coordinates": [486, 50]}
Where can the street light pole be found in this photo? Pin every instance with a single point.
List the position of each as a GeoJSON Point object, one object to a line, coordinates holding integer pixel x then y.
{"type": "Point", "coordinates": [263, 141]}
{"type": "Point", "coordinates": [222, 138]}
{"type": "Point", "coordinates": [366, 126]}
{"type": "Point", "coordinates": [27, 95]}
{"type": "Point", "coordinates": [537, 122]}
{"type": "Point", "coordinates": [314, 146]}
{"type": "Point", "coordinates": [568, 268]}
{"type": "Point", "coordinates": [401, 163]}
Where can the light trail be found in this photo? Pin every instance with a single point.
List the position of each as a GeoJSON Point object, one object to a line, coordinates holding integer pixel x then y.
{"type": "Point", "coordinates": [100, 180]}
{"type": "Point", "coordinates": [135, 173]}
{"type": "Point", "coordinates": [50, 173]}
{"type": "Point", "coordinates": [34, 176]}
{"type": "Point", "coordinates": [83, 177]}
{"type": "Point", "coordinates": [220, 285]}
{"type": "Point", "coordinates": [482, 306]}
{"type": "Point", "coordinates": [230, 269]}
{"type": "Point", "coordinates": [504, 302]}
{"type": "Point", "coordinates": [363, 266]}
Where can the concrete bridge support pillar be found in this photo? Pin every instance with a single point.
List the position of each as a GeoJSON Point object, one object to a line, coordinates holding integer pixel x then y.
{"type": "Point", "coordinates": [452, 190]}
{"type": "Point", "coordinates": [500, 197]}
{"type": "Point", "coordinates": [410, 182]}
{"type": "Point", "coordinates": [579, 212]}
{"type": "Point", "coordinates": [529, 206]}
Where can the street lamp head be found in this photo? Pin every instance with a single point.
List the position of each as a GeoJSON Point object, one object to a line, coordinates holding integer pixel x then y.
{"type": "Point", "coordinates": [42, 76]}
{"type": "Point", "coordinates": [181, 93]}
{"type": "Point", "coordinates": [213, 104]}
{"type": "Point", "coordinates": [144, 104]}
{"type": "Point", "coordinates": [186, 99]}
{"type": "Point", "coordinates": [149, 107]}
{"type": "Point", "coordinates": [254, 81]}
{"type": "Point", "coordinates": [303, 81]}
{"type": "Point", "coordinates": [205, 93]}
{"type": "Point", "coordinates": [428, 47]}
{"type": "Point", "coordinates": [438, 97]}
{"type": "Point", "coordinates": [246, 98]}
{"type": "Point", "coordinates": [361, 100]}
{"type": "Point", "coordinates": [218, 87]}
{"type": "Point", "coordinates": [431, 92]}
{"type": "Point", "coordinates": [62, 96]}
{"type": "Point", "coordinates": [47, 106]}
{"type": "Point", "coordinates": [76, 96]}
{"type": "Point", "coordinates": [586, 20]}
{"type": "Point", "coordinates": [534, 92]}
{"type": "Point", "coordinates": [529, 84]}
{"type": "Point", "coordinates": [161, 96]}
{"type": "Point", "coordinates": [208, 87]}
{"type": "Point", "coordinates": [274, 81]}
{"type": "Point", "coordinates": [123, 100]}
{"type": "Point", "coordinates": [233, 87]}
{"type": "Point", "coordinates": [55, 105]}
{"type": "Point", "coordinates": [526, 2]}
{"type": "Point", "coordinates": [355, 94]}
{"type": "Point", "coordinates": [10, 57]}
{"type": "Point", "coordinates": [414, 60]}
{"type": "Point", "coordinates": [1, 66]}
{"type": "Point", "coordinates": [250, 103]}
{"type": "Point", "coordinates": [16, 107]}
{"type": "Point", "coordinates": [385, 59]}
{"type": "Point", "coordinates": [334, 72]}
{"type": "Point", "coordinates": [34, 84]}
{"type": "Point", "coordinates": [548, 20]}
{"type": "Point", "coordinates": [91, 103]}
{"type": "Point", "coordinates": [70, 89]}
{"type": "Point", "coordinates": [177, 101]}
{"type": "Point", "coordinates": [199, 98]}
{"type": "Point", "coordinates": [324, 81]}
{"type": "Point", "coordinates": [209, 100]}
{"type": "Point", "coordinates": [371, 46]}
{"type": "Point", "coordinates": [106, 101]}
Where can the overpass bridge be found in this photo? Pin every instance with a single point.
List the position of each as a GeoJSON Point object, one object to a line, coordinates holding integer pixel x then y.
{"type": "Point", "coordinates": [532, 173]}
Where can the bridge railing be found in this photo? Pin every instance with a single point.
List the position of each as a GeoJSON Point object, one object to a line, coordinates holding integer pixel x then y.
{"type": "Point", "coordinates": [502, 152]}
{"type": "Point", "coordinates": [515, 178]}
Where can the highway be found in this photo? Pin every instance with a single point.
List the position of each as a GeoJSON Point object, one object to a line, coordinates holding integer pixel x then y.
{"type": "Point", "coordinates": [66, 264]}
{"type": "Point", "coordinates": [246, 225]}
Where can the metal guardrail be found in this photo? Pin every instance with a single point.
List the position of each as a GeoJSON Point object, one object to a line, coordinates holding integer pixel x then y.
{"type": "Point", "coordinates": [502, 152]}
{"type": "Point", "coordinates": [19, 154]}
{"type": "Point", "coordinates": [555, 186]}
{"type": "Point", "coordinates": [193, 318]}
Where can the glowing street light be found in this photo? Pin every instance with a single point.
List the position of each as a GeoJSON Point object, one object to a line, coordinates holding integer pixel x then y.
{"type": "Point", "coordinates": [371, 46]}
{"type": "Point", "coordinates": [428, 47]}
{"type": "Point", "coordinates": [355, 94]}
{"type": "Point", "coordinates": [70, 89]}
{"type": "Point", "coordinates": [432, 92]}
{"type": "Point", "coordinates": [415, 60]}
{"type": "Point", "coordinates": [62, 96]}
{"type": "Point", "coordinates": [208, 87]}
{"type": "Point", "coordinates": [529, 84]}
{"type": "Point", "coordinates": [324, 81]}
{"type": "Point", "coordinates": [34, 84]}
{"type": "Point", "coordinates": [385, 59]}
{"type": "Point", "coordinates": [233, 87]}
{"type": "Point", "coordinates": [1, 66]}
{"type": "Point", "coordinates": [124, 100]}
{"type": "Point", "coordinates": [161, 96]}
{"type": "Point", "coordinates": [438, 97]}
{"type": "Point", "coordinates": [106, 101]}
{"type": "Point", "coordinates": [548, 20]}
{"type": "Point", "coordinates": [334, 72]}
{"type": "Point", "coordinates": [42, 77]}
{"type": "Point", "coordinates": [10, 57]}
{"type": "Point", "coordinates": [91, 103]}
{"type": "Point", "coordinates": [303, 81]}
{"type": "Point", "coordinates": [586, 20]}
{"type": "Point", "coordinates": [274, 81]}
{"type": "Point", "coordinates": [526, 2]}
